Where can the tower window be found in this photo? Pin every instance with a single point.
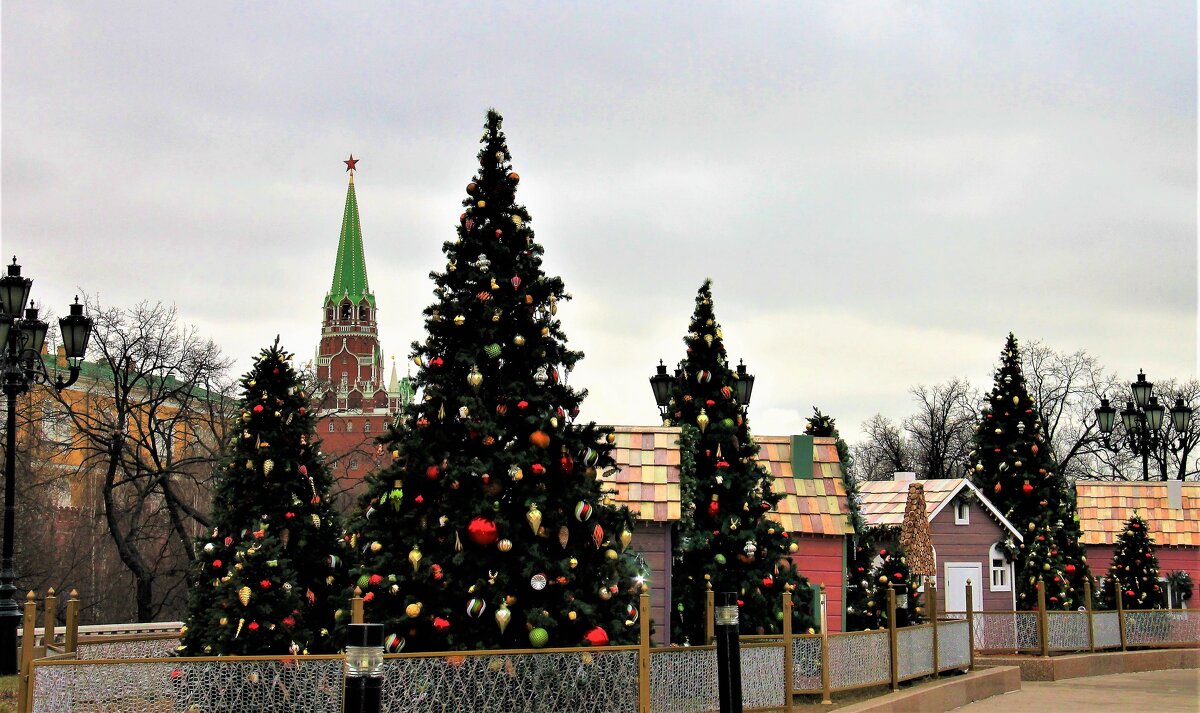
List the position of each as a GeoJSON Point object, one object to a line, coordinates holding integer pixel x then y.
{"type": "Point", "coordinates": [329, 315]}
{"type": "Point", "coordinates": [346, 310]}
{"type": "Point", "coordinates": [349, 427]}
{"type": "Point", "coordinates": [366, 426]}
{"type": "Point", "coordinates": [354, 463]}
{"type": "Point", "coordinates": [331, 425]}
{"type": "Point", "coordinates": [364, 313]}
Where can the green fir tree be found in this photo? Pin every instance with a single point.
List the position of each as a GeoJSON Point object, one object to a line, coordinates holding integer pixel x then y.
{"type": "Point", "coordinates": [862, 609]}
{"type": "Point", "coordinates": [1134, 570]}
{"type": "Point", "coordinates": [269, 577]}
{"type": "Point", "coordinates": [893, 573]}
{"type": "Point", "coordinates": [491, 528]}
{"type": "Point", "coordinates": [726, 540]}
{"type": "Point", "coordinates": [820, 425]}
{"type": "Point", "coordinates": [1015, 468]}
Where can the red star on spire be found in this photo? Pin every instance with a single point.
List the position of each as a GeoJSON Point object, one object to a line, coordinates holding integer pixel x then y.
{"type": "Point", "coordinates": [350, 164]}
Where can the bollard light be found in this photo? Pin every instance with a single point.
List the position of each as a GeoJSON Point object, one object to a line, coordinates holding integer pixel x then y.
{"type": "Point", "coordinates": [729, 657]}
{"type": "Point", "coordinates": [364, 668]}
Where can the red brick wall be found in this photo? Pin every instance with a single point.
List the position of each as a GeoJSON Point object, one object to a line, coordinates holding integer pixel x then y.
{"type": "Point", "coordinates": [653, 540]}
{"type": "Point", "coordinates": [968, 543]}
{"type": "Point", "coordinates": [820, 559]}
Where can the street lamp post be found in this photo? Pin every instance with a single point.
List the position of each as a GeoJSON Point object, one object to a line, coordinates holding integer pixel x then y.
{"type": "Point", "coordinates": [22, 335]}
{"type": "Point", "coordinates": [1142, 422]}
{"type": "Point", "coordinates": [662, 384]}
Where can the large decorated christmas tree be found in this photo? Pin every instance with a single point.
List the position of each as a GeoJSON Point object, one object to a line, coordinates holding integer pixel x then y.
{"type": "Point", "coordinates": [1016, 470]}
{"type": "Point", "coordinates": [491, 528]}
{"type": "Point", "coordinates": [863, 612]}
{"type": "Point", "coordinates": [1134, 570]}
{"type": "Point", "coordinates": [267, 579]}
{"type": "Point", "coordinates": [726, 539]}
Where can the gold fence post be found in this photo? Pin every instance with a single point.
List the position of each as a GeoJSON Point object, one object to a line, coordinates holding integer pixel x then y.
{"type": "Point", "coordinates": [24, 680]}
{"type": "Point", "coordinates": [71, 635]}
{"type": "Point", "coordinates": [893, 645]}
{"type": "Point", "coordinates": [356, 607]}
{"type": "Point", "coordinates": [931, 608]}
{"type": "Point", "coordinates": [710, 633]}
{"type": "Point", "coordinates": [825, 692]}
{"type": "Point", "coordinates": [971, 623]}
{"type": "Point", "coordinates": [1043, 620]}
{"type": "Point", "coordinates": [50, 619]}
{"type": "Point", "coordinates": [1120, 610]}
{"type": "Point", "coordinates": [1087, 603]}
{"type": "Point", "coordinates": [644, 655]}
{"type": "Point", "coordinates": [788, 651]}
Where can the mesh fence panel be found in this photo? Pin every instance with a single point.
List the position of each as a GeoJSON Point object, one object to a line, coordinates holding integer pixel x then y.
{"type": "Point", "coordinates": [1006, 631]}
{"type": "Point", "coordinates": [954, 645]}
{"type": "Point", "coordinates": [914, 647]}
{"type": "Point", "coordinates": [684, 680]}
{"type": "Point", "coordinates": [186, 686]}
{"type": "Point", "coordinates": [136, 649]}
{"type": "Point", "coordinates": [585, 681]}
{"type": "Point", "coordinates": [1106, 628]}
{"type": "Point", "coordinates": [1068, 630]}
{"type": "Point", "coordinates": [857, 660]}
{"type": "Point", "coordinates": [762, 676]}
{"type": "Point", "coordinates": [806, 663]}
{"type": "Point", "coordinates": [1161, 626]}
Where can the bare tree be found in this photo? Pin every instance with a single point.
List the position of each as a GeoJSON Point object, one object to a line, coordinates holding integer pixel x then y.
{"type": "Point", "coordinates": [1179, 457]}
{"type": "Point", "coordinates": [884, 450]}
{"type": "Point", "coordinates": [942, 430]}
{"type": "Point", "coordinates": [152, 421]}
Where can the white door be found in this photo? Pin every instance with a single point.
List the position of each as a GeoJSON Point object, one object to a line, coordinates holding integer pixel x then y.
{"type": "Point", "coordinates": [957, 574]}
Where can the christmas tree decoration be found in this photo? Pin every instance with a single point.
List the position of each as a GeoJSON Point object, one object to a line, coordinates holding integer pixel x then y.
{"type": "Point", "coordinates": [729, 543]}
{"type": "Point", "coordinates": [1134, 570]}
{"type": "Point", "coordinates": [275, 551]}
{"type": "Point", "coordinates": [1026, 486]}
{"type": "Point", "coordinates": [496, 548]}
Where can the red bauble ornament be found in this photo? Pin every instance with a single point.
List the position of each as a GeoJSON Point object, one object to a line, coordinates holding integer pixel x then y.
{"type": "Point", "coordinates": [375, 579]}
{"type": "Point", "coordinates": [741, 603]}
{"type": "Point", "coordinates": [768, 582]}
{"type": "Point", "coordinates": [722, 464]}
{"type": "Point", "coordinates": [289, 621]}
{"type": "Point", "coordinates": [431, 472]}
{"type": "Point", "coordinates": [253, 626]}
{"type": "Point", "coordinates": [265, 584]}
{"type": "Point", "coordinates": [258, 408]}
{"type": "Point", "coordinates": [1027, 488]}
{"type": "Point", "coordinates": [1129, 592]}
{"type": "Point", "coordinates": [1070, 569]}
{"type": "Point", "coordinates": [883, 553]}
{"type": "Point", "coordinates": [522, 405]}
{"type": "Point", "coordinates": [1034, 449]}
{"type": "Point", "coordinates": [898, 575]}
{"type": "Point", "coordinates": [714, 508]}
{"type": "Point", "coordinates": [289, 515]}
{"type": "Point", "coordinates": [419, 499]}
{"type": "Point", "coordinates": [216, 564]}
{"type": "Point", "coordinates": [710, 403]}
{"type": "Point", "coordinates": [482, 531]}
{"type": "Point", "coordinates": [436, 362]}
{"type": "Point", "coordinates": [440, 625]}
{"type": "Point", "coordinates": [537, 468]}
{"type": "Point", "coordinates": [566, 463]}
{"type": "Point", "coordinates": [596, 636]}
{"type": "Point", "coordinates": [369, 596]}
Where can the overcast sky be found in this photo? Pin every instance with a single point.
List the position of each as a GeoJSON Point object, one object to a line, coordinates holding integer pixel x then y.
{"type": "Point", "coordinates": [880, 191]}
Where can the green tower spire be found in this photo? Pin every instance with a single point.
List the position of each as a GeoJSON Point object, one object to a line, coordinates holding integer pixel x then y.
{"type": "Point", "coordinates": [350, 270]}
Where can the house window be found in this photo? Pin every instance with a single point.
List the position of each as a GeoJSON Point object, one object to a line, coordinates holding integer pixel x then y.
{"type": "Point", "coordinates": [999, 562]}
{"type": "Point", "coordinates": [366, 426]}
{"type": "Point", "coordinates": [962, 512]}
{"type": "Point", "coordinates": [331, 425]}
{"type": "Point", "coordinates": [349, 427]}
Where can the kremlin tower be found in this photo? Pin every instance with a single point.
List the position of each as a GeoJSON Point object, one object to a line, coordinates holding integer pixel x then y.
{"type": "Point", "coordinates": [356, 406]}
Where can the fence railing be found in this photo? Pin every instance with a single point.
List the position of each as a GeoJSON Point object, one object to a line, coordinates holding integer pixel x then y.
{"type": "Point", "coordinates": [133, 673]}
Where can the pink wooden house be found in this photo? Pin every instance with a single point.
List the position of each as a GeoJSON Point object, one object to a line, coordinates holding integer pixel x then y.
{"type": "Point", "coordinates": [813, 508]}
{"type": "Point", "coordinates": [965, 528]}
{"type": "Point", "coordinates": [1171, 509]}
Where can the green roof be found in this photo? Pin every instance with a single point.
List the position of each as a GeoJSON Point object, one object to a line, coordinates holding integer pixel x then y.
{"type": "Point", "coordinates": [350, 270]}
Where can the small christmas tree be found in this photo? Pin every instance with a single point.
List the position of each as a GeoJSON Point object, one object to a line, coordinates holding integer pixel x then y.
{"type": "Point", "coordinates": [1014, 467]}
{"type": "Point", "coordinates": [862, 609]}
{"type": "Point", "coordinates": [491, 528]}
{"type": "Point", "coordinates": [267, 579]}
{"type": "Point", "coordinates": [726, 541]}
{"type": "Point", "coordinates": [893, 573]}
{"type": "Point", "coordinates": [1134, 570]}
{"type": "Point", "coordinates": [820, 425]}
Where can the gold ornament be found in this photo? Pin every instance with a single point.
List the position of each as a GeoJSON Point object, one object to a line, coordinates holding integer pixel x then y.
{"type": "Point", "coordinates": [413, 610]}
{"type": "Point", "coordinates": [475, 379]}
{"type": "Point", "coordinates": [316, 520]}
{"type": "Point", "coordinates": [503, 616]}
{"type": "Point", "coordinates": [625, 539]}
{"type": "Point", "coordinates": [564, 536]}
{"type": "Point", "coordinates": [519, 340]}
{"type": "Point", "coordinates": [268, 466]}
{"type": "Point", "coordinates": [459, 320]}
{"type": "Point", "coordinates": [534, 517]}
{"type": "Point", "coordinates": [244, 596]}
{"type": "Point", "coordinates": [702, 421]}
{"type": "Point", "coordinates": [414, 557]}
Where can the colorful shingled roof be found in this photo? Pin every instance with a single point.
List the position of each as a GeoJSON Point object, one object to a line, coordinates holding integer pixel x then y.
{"type": "Point", "coordinates": [881, 502]}
{"type": "Point", "coordinates": [816, 506]}
{"type": "Point", "coordinates": [647, 480]}
{"type": "Point", "coordinates": [648, 477]}
{"type": "Point", "coordinates": [1104, 507]}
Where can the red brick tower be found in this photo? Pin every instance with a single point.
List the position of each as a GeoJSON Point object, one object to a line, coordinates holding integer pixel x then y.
{"type": "Point", "coordinates": [356, 404]}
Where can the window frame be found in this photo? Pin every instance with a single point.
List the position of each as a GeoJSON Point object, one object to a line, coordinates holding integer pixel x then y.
{"type": "Point", "coordinates": [1005, 570]}
{"type": "Point", "coordinates": [963, 517]}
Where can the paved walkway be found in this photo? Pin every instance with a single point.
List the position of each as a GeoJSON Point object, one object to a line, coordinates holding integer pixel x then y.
{"type": "Point", "coordinates": [1159, 691]}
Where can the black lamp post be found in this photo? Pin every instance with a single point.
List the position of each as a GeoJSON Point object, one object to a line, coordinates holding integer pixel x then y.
{"type": "Point", "coordinates": [662, 384]}
{"type": "Point", "coordinates": [1142, 421]}
{"type": "Point", "coordinates": [21, 340]}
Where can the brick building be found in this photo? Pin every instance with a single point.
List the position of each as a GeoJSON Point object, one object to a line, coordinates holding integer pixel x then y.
{"type": "Point", "coordinates": [358, 399]}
